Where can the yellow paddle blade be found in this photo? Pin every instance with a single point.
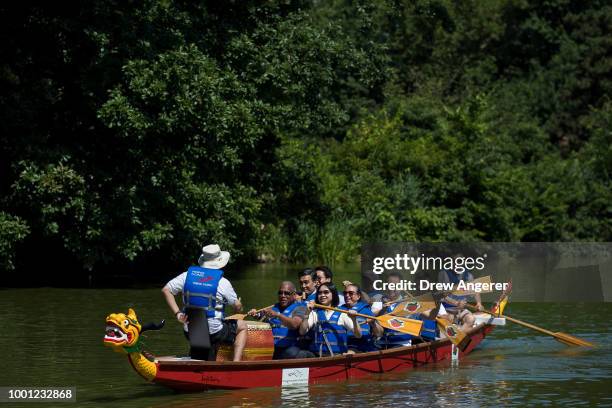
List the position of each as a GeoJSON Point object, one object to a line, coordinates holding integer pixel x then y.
{"type": "Point", "coordinates": [562, 337]}
{"type": "Point", "coordinates": [411, 307]}
{"type": "Point", "coordinates": [454, 333]}
{"type": "Point", "coordinates": [409, 326]}
{"type": "Point", "coordinates": [501, 306]}
{"type": "Point", "coordinates": [501, 303]}
{"type": "Point", "coordinates": [571, 340]}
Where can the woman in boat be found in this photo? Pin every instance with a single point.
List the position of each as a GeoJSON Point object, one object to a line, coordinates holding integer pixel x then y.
{"type": "Point", "coordinates": [331, 326]}
{"type": "Point", "coordinates": [353, 299]}
{"type": "Point", "coordinates": [323, 274]}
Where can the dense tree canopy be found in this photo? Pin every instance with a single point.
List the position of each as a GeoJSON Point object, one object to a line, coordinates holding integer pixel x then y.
{"type": "Point", "coordinates": [133, 132]}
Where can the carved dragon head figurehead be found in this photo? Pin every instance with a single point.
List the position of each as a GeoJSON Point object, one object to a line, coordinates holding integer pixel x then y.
{"type": "Point", "coordinates": [123, 336]}
{"type": "Point", "coordinates": [122, 331]}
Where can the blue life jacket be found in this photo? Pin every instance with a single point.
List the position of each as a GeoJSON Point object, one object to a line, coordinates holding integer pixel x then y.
{"type": "Point", "coordinates": [429, 330]}
{"type": "Point", "coordinates": [393, 338]}
{"type": "Point", "coordinates": [455, 279]}
{"type": "Point", "coordinates": [365, 343]}
{"type": "Point", "coordinates": [330, 337]}
{"type": "Point", "coordinates": [312, 296]}
{"type": "Point", "coordinates": [200, 290]}
{"type": "Point", "coordinates": [283, 336]}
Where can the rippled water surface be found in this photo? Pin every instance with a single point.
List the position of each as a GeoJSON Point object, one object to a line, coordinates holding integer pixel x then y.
{"type": "Point", "coordinates": [53, 337]}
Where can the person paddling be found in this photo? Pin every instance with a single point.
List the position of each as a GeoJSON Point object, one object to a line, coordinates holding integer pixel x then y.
{"type": "Point", "coordinates": [369, 329]}
{"type": "Point", "coordinates": [331, 326]}
{"type": "Point", "coordinates": [285, 318]}
{"type": "Point", "coordinates": [324, 274]}
{"type": "Point", "coordinates": [393, 338]}
{"type": "Point", "coordinates": [454, 306]}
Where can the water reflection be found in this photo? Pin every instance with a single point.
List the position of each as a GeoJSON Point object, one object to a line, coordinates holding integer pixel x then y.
{"type": "Point", "coordinates": [258, 397]}
{"type": "Point", "coordinates": [60, 344]}
{"type": "Point", "coordinates": [293, 395]}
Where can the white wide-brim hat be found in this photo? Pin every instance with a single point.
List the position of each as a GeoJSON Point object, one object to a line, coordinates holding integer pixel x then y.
{"type": "Point", "coordinates": [213, 257]}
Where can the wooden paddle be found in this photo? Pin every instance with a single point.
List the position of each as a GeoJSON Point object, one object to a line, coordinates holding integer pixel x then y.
{"type": "Point", "coordinates": [425, 302]}
{"type": "Point", "coordinates": [454, 333]}
{"type": "Point", "coordinates": [240, 316]}
{"type": "Point", "coordinates": [410, 305]}
{"type": "Point", "coordinates": [400, 324]}
{"type": "Point", "coordinates": [427, 305]}
{"type": "Point", "coordinates": [562, 337]}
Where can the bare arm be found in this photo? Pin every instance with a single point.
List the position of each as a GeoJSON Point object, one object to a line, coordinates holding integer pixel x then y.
{"type": "Point", "coordinates": [356, 326]}
{"type": "Point", "coordinates": [477, 298]}
{"type": "Point", "coordinates": [237, 305]}
{"type": "Point", "coordinates": [478, 301]}
{"type": "Point", "coordinates": [181, 317]}
{"type": "Point", "coordinates": [304, 326]}
{"type": "Point", "coordinates": [292, 323]}
{"type": "Point", "coordinates": [376, 328]}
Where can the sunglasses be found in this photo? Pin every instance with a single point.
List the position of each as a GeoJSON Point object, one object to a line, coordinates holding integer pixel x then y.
{"type": "Point", "coordinates": [324, 292]}
{"type": "Point", "coordinates": [349, 293]}
{"type": "Point", "coordinates": [285, 292]}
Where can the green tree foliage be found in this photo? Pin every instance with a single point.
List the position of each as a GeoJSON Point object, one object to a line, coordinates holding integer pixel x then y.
{"type": "Point", "coordinates": [133, 132]}
{"type": "Point", "coordinates": [12, 231]}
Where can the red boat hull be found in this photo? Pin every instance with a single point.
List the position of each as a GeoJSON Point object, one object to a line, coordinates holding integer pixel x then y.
{"type": "Point", "coordinates": [190, 375]}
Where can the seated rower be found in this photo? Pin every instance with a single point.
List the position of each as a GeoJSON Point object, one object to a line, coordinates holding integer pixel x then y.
{"type": "Point", "coordinates": [308, 282]}
{"type": "Point", "coordinates": [369, 329]}
{"type": "Point", "coordinates": [285, 318]}
{"type": "Point", "coordinates": [393, 338]}
{"type": "Point", "coordinates": [453, 306]}
{"type": "Point", "coordinates": [331, 326]}
{"type": "Point", "coordinates": [378, 298]}
{"type": "Point", "coordinates": [323, 274]}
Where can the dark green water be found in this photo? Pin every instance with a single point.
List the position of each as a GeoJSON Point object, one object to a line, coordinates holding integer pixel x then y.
{"type": "Point", "coordinates": [53, 337]}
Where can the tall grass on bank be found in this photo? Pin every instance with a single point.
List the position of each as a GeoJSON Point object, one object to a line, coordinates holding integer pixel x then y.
{"type": "Point", "coordinates": [334, 242]}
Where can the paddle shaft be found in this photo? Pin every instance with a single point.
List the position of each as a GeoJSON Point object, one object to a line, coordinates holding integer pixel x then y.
{"type": "Point", "coordinates": [517, 321]}
{"type": "Point", "coordinates": [563, 337]}
{"type": "Point", "coordinates": [459, 339]}
{"type": "Point", "coordinates": [263, 308]}
{"type": "Point", "coordinates": [240, 316]}
{"type": "Point", "coordinates": [484, 279]}
{"type": "Point", "coordinates": [335, 309]}
{"type": "Point", "coordinates": [400, 300]}
{"type": "Point", "coordinates": [408, 326]}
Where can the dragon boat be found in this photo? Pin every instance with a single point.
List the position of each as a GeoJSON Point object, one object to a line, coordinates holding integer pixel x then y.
{"type": "Point", "coordinates": [258, 369]}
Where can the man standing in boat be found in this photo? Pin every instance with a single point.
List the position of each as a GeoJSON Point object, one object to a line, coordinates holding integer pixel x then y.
{"type": "Point", "coordinates": [205, 289]}
{"type": "Point", "coordinates": [285, 318]}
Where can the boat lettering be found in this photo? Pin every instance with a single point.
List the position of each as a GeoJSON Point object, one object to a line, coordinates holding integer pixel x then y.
{"type": "Point", "coordinates": [295, 376]}
{"type": "Point", "coordinates": [207, 379]}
